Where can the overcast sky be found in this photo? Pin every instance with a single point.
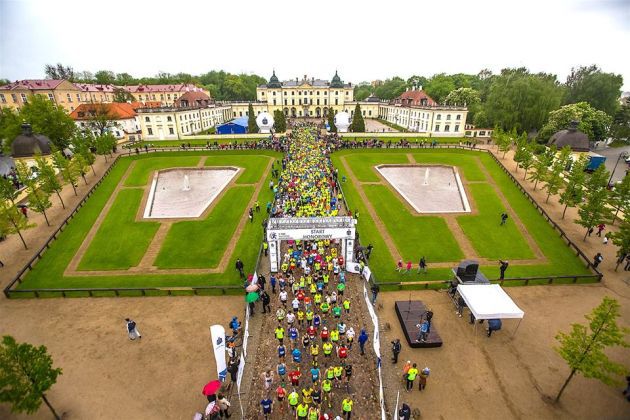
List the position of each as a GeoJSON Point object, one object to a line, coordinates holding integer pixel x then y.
{"type": "Point", "coordinates": [364, 40]}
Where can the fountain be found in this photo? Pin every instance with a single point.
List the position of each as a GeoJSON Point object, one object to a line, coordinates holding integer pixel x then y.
{"type": "Point", "coordinates": [186, 183]}
{"type": "Point", "coordinates": [426, 177]}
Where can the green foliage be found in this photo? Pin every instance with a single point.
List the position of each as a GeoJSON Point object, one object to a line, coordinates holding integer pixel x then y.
{"type": "Point", "coordinates": [59, 71]}
{"type": "Point", "coordinates": [251, 120]}
{"type": "Point", "coordinates": [331, 121]}
{"type": "Point", "coordinates": [279, 121]}
{"type": "Point", "coordinates": [65, 169]}
{"type": "Point", "coordinates": [594, 210]}
{"type": "Point", "coordinates": [620, 129]}
{"type": "Point", "coordinates": [595, 124]}
{"type": "Point", "coordinates": [589, 84]}
{"type": "Point", "coordinates": [362, 91]}
{"type": "Point", "coordinates": [121, 95]}
{"type": "Point", "coordinates": [468, 97]}
{"type": "Point", "coordinates": [526, 155]}
{"type": "Point", "coordinates": [7, 190]}
{"type": "Point", "coordinates": [390, 89]}
{"type": "Point", "coordinates": [79, 166]}
{"type": "Point", "coordinates": [39, 200]}
{"type": "Point", "coordinates": [358, 124]}
{"type": "Point", "coordinates": [47, 178]}
{"type": "Point", "coordinates": [105, 77]}
{"type": "Point", "coordinates": [622, 237]}
{"type": "Point", "coordinates": [573, 191]}
{"type": "Point", "coordinates": [554, 180]}
{"type": "Point", "coordinates": [521, 100]}
{"type": "Point", "coordinates": [620, 197]}
{"type": "Point", "coordinates": [26, 373]}
{"type": "Point", "coordinates": [583, 347]}
{"type": "Point", "coordinates": [13, 220]}
{"type": "Point", "coordinates": [9, 127]}
{"type": "Point", "coordinates": [104, 144]}
{"type": "Point", "coordinates": [224, 86]}
{"type": "Point", "coordinates": [541, 166]}
{"type": "Point", "coordinates": [100, 119]}
{"type": "Point", "coordinates": [503, 140]}
{"type": "Point", "coordinates": [48, 119]}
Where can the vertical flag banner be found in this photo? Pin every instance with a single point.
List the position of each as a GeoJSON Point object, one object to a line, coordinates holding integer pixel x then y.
{"type": "Point", "coordinates": [217, 335]}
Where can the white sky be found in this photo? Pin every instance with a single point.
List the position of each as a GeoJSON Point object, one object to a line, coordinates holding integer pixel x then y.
{"type": "Point", "coordinates": [364, 40]}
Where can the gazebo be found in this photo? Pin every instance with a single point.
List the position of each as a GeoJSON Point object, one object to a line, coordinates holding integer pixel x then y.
{"type": "Point", "coordinates": [572, 137]}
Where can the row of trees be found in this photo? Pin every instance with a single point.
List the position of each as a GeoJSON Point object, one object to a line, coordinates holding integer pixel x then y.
{"type": "Point", "coordinates": [561, 175]}
{"type": "Point", "coordinates": [48, 177]}
{"type": "Point", "coordinates": [223, 86]}
{"type": "Point", "coordinates": [518, 99]}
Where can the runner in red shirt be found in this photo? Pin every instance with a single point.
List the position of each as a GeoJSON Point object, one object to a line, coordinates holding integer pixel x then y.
{"type": "Point", "coordinates": [295, 377]}
{"type": "Point", "coordinates": [281, 394]}
{"type": "Point", "coordinates": [311, 331]}
{"type": "Point", "coordinates": [300, 296]}
{"type": "Point", "coordinates": [324, 334]}
{"type": "Point", "coordinates": [342, 352]}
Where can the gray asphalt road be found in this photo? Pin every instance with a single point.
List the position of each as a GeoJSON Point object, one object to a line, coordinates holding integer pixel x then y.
{"type": "Point", "coordinates": [612, 153]}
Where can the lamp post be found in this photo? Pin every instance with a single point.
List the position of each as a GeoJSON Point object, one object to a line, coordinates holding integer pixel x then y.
{"type": "Point", "coordinates": [621, 155]}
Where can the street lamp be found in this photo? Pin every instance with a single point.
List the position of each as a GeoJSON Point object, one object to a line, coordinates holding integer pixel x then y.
{"type": "Point", "coordinates": [621, 155]}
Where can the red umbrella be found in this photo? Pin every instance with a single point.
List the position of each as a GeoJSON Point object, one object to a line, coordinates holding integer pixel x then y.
{"type": "Point", "coordinates": [250, 277]}
{"type": "Point", "coordinates": [211, 387]}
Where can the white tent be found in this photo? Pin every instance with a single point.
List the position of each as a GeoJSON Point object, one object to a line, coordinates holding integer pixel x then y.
{"type": "Point", "coordinates": [489, 301]}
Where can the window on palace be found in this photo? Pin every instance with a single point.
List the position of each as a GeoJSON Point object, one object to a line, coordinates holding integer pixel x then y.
{"type": "Point", "coordinates": [274, 93]}
{"type": "Point", "coordinates": [458, 117]}
{"type": "Point", "coordinates": [161, 97]}
{"type": "Point", "coordinates": [325, 101]}
{"type": "Point", "coordinates": [336, 101]}
{"type": "Point", "coordinates": [292, 101]}
{"type": "Point", "coordinates": [448, 117]}
{"type": "Point", "coordinates": [50, 96]}
{"type": "Point", "coordinates": [2, 98]}
{"type": "Point", "coordinates": [150, 131]}
{"type": "Point", "coordinates": [370, 113]}
{"type": "Point", "coordinates": [285, 94]}
{"type": "Point", "coordinates": [170, 130]}
{"type": "Point", "coordinates": [447, 127]}
{"type": "Point", "coordinates": [437, 127]}
{"type": "Point", "coordinates": [317, 101]}
{"type": "Point", "coordinates": [274, 101]}
{"type": "Point", "coordinates": [285, 102]}
{"type": "Point", "coordinates": [14, 97]}
{"type": "Point", "coordinates": [300, 93]}
{"type": "Point", "coordinates": [439, 117]}
{"type": "Point", "coordinates": [175, 96]}
{"type": "Point", "coordinates": [153, 96]}
{"type": "Point", "coordinates": [336, 92]}
{"type": "Point", "coordinates": [317, 92]}
{"type": "Point", "coordinates": [457, 128]}
{"type": "Point", "coordinates": [169, 119]}
{"type": "Point", "coordinates": [146, 119]}
{"type": "Point", "coordinates": [78, 97]}
{"type": "Point", "coordinates": [69, 97]}
{"type": "Point", "coordinates": [292, 92]}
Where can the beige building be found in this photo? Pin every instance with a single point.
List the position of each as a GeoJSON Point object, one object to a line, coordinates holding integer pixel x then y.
{"type": "Point", "coordinates": [415, 111]}
{"type": "Point", "coordinates": [308, 97]}
{"type": "Point", "coordinates": [166, 94]}
{"type": "Point", "coordinates": [173, 123]}
{"type": "Point", "coordinates": [61, 92]}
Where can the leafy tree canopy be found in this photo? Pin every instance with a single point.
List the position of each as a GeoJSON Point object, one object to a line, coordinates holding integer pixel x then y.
{"type": "Point", "coordinates": [590, 84]}
{"type": "Point", "coordinates": [594, 123]}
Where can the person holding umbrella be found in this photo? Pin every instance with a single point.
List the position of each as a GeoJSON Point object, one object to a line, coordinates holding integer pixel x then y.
{"type": "Point", "coordinates": [211, 389]}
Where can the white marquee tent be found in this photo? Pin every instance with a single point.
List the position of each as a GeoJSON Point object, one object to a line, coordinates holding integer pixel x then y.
{"type": "Point", "coordinates": [489, 301]}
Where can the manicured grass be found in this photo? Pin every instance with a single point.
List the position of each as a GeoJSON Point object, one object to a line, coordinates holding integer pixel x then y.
{"type": "Point", "coordinates": [120, 241]}
{"type": "Point", "coordinates": [254, 166]}
{"type": "Point", "coordinates": [48, 272]}
{"type": "Point", "coordinates": [415, 237]}
{"type": "Point", "coordinates": [362, 164]}
{"type": "Point", "coordinates": [144, 168]}
{"type": "Point", "coordinates": [489, 239]}
{"type": "Point", "coordinates": [201, 244]}
{"type": "Point", "coordinates": [464, 161]}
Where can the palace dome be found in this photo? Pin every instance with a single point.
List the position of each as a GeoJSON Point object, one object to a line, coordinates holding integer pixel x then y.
{"type": "Point", "coordinates": [274, 82]}
{"type": "Point", "coordinates": [28, 144]}
{"type": "Point", "coordinates": [336, 81]}
{"type": "Point", "coordinates": [572, 137]}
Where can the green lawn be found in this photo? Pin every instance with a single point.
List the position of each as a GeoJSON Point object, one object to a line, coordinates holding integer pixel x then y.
{"type": "Point", "coordinates": [144, 168]}
{"type": "Point", "coordinates": [489, 239]}
{"type": "Point", "coordinates": [120, 241]}
{"type": "Point", "coordinates": [254, 166]}
{"type": "Point", "coordinates": [48, 272]}
{"type": "Point", "coordinates": [427, 236]}
{"type": "Point", "coordinates": [482, 229]}
{"type": "Point", "coordinates": [362, 164]}
{"type": "Point", "coordinates": [201, 244]}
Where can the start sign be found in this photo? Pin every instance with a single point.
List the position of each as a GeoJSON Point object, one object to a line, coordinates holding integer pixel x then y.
{"type": "Point", "coordinates": [310, 234]}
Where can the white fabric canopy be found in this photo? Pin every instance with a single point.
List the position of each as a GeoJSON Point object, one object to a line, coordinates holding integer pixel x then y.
{"type": "Point", "coordinates": [489, 301]}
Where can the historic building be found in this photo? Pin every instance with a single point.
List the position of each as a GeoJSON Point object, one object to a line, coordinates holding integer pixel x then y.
{"type": "Point", "coordinates": [173, 122]}
{"type": "Point", "coordinates": [61, 92]}
{"type": "Point", "coordinates": [124, 124]}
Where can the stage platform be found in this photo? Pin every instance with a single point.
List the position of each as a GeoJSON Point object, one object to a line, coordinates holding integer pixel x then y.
{"type": "Point", "coordinates": [409, 314]}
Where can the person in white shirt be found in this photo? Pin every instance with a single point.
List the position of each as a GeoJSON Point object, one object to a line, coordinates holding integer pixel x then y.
{"type": "Point", "coordinates": [283, 297]}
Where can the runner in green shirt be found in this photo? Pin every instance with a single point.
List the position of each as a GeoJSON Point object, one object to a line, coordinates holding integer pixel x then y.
{"type": "Point", "coordinates": [346, 405]}
{"type": "Point", "coordinates": [293, 399]}
{"type": "Point", "coordinates": [302, 411]}
{"type": "Point", "coordinates": [340, 288]}
{"type": "Point", "coordinates": [327, 388]}
{"type": "Point", "coordinates": [336, 310]}
{"type": "Point", "coordinates": [325, 307]}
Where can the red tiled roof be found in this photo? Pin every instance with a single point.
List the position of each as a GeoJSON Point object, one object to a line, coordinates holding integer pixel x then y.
{"type": "Point", "coordinates": [415, 97]}
{"type": "Point", "coordinates": [117, 110]}
{"type": "Point", "coordinates": [180, 87]}
{"type": "Point", "coordinates": [91, 87]}
{"type": "Point", "coordinates": [147, 104]}
{"type": "Point", "coordinates": [32, 84]}
{"type": "Point", "coordinates": [192, 99]}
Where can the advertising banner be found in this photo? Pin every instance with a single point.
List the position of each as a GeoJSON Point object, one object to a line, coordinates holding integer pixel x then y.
{"type": "Point", "coordinates": [217, 334]}
{"type": "Point", "coordinates": [309, 234]}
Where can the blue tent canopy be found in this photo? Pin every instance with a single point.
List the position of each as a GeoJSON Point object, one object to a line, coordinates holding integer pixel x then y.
{"type": "Point", "coordinates": [236, 126]}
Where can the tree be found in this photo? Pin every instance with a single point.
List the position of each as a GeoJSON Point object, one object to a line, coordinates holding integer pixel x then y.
{"type": "Point", "coordinates": [527, 160]}
{"type": "Point", "coordinates": [417, 81]}
{"type": "Point", "coordinates": [65, 170]}
{"type": "Point", "coordinates": [122, 96]}
{"type": "Point", "coordinates": [594, 210]}
{"type": "Point", "coordinates": [358, 124]}
{"type": "Point", "coordinates": [620, 197]}
{"type": "Point", "coordinates": [554, 180]}
{"type": "Point", "coordinates": [462, 96]}
{"type": "Point", "coordinates": [14, 220]}
{"type": "Point", "coordinates": [503, 141]}
{"type": "Point", "coordinates": [522, 100]}
{"type": "Point", "coordinates": [81, 144]}
{"type": "Point", "coordinates": [622, 240]}
{"type": "Point", "coordinates": [541, 166]}
{"type": "Point", "coordinates": [279, 121]}
{"type": "Point", "coordinates": [8, 192]}
{"type": "Point", "coordinates": [105, 77]}
{"type": "Point", "coordinates": [100, 118]}
{"type": "Point", "coordinates": [252, 127]}
{"type": "Point", "coordinates": [26, 373]}
{"type": "Point", "coordinates": [104, 144]}
{"type": "Point", "coordinates": [362, 91]}
{"type": "Point", "coordinates": [59, 71]}
{"type": "Point", "coordinates": [589, 84]}
{"type": "Point", "coordinates": [39, 200]}
{"type": "Point", "coordinates": [9, 127]}
{"type": "Point", "coordinates": [48, 119]}
{"type": "Point", "coordinates": [595, 124]}
{"type": "Point", "coordinates": [79, 166]}
{"type": "Point", "coordinates": [48, 178]}
{"type": "Point", "coordinates": [583, 347]}
{"type": "Point", "coordinates": [573, 191]}
{"type": "Point", "coordinates": [391, 88]}
{"type": "Point", "coordinates": [331, 121]}
{"type": "Point", "coordinates": [620, 128]}
{"type": "Point", "coordinates": [125, 79]}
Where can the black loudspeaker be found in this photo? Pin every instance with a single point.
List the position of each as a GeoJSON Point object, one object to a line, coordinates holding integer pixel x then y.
{"type": "Point", "coordinates": [467, 270]}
